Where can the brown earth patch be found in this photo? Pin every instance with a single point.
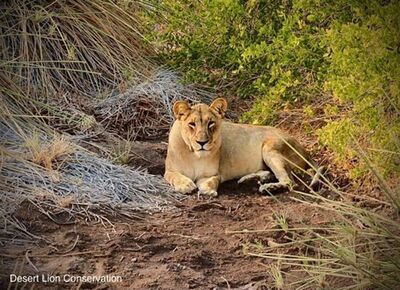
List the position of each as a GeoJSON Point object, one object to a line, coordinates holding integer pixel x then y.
{"type": "Point", "coordinates": [188, 248]}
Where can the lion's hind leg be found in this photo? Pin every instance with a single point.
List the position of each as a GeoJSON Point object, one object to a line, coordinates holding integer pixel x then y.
{"type": "Point", "coordinates": [262, 176]}
{"type": "Point", "coordinates": [278, 165]}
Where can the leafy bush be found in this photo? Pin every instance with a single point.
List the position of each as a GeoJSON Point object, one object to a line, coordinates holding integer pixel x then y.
{"type": "Point", "coordinates": [251, 48]}
{"type": "Point", "coordinates": [299, 53]}
{"type": "Point", "coordinates": [364, 75]}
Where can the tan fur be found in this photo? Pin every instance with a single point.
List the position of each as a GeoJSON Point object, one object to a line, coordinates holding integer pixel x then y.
{"type": "Point", "coordinates": [230, 151]}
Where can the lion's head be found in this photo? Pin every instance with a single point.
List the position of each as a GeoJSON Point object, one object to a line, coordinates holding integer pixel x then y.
{"type": "Point", "coordinates": [201, 125]}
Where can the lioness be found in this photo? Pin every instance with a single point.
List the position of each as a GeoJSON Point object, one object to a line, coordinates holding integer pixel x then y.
{"type": "Point", "coordinates": [204, 150]}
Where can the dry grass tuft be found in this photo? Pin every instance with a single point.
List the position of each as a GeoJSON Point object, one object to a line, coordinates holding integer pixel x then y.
{"type": "Point", "coordinates": [60, 178]}
{"type": "Point", "coordinates": [48, 171]}
{"type": "Point", "coordinates": [81, 46]}
{"type": "Point", "coordinates": [46, 154]}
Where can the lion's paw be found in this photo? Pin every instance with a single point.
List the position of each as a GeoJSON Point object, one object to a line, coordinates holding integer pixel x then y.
{"type": "Point", "coordinates": [247, 178]}
{"type": "Point", "coordinates": [273, 186]}
{"type": "Point", "coordinates": [185, 186]}
{"type": "Point", "coordinates": [209, 192]}
{"type": "Point", "coordinates": [262, 176]}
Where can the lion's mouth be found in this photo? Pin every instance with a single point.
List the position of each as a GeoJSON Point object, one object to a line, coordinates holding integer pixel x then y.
{"type": "Point", "coordinates": [202, 151]}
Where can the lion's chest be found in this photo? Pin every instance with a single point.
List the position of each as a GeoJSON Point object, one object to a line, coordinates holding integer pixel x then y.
{"type": "Point", "coordinates": [197, 168]}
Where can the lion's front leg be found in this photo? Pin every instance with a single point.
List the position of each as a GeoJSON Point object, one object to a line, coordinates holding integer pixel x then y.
{"type": "Point", "coordinates": [208, 185]}
{"type": "Point", "coordinates": [180, 182]}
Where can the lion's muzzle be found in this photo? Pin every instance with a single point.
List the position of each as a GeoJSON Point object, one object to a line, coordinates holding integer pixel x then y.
{"type": "Point", "coordinates": [202, 144]}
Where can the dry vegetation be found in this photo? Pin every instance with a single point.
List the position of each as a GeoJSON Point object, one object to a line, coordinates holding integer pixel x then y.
{"type": "Point", "coordinates": [52, 47]}
{"type": "Point", "coordinates": [74, 50]}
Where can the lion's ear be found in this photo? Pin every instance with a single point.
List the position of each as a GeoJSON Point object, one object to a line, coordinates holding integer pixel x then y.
{"type": "Point", "coordinates": [180, 109]}
{"type": "Point", "coordinates": [220, 106]}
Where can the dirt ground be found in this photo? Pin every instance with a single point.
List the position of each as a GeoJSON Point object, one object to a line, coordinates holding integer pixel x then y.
{"type": "Point", "coordinates": [187, 248]}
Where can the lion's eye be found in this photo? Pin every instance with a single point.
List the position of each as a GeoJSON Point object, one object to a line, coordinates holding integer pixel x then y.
{"type": "Point", "coordinates": [211, 124]}
{"type": "Point", "coordinates": [192, 125]}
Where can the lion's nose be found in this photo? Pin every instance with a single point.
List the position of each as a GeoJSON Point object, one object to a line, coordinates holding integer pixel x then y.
{"type": "Point", "coordinates": [201, 143]}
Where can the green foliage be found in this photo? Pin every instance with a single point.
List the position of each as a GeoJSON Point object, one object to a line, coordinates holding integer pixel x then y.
{"type": "Point", "coordinates": [249, 48]}
{"type": "Point", "coordinates": [364, 74]}
{"type": "Point", "coordinates": [294, 52]}
{"type": "Point", "coordinates": [339, 133]}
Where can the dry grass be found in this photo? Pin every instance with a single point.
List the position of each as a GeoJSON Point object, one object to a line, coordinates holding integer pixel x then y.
{"type": "Point", "coordinates": [277, 276]}
{"type": "Point", "coordinates": [79, 49]}
{"type": "Point", "coordinates": [47, 153]}
{"type": "Point", "coordinates": [81, 46]}
{"type": "Point", "coordinates": [60, 178]}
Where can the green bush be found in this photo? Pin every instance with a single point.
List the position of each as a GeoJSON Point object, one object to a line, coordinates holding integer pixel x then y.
{"type": "Point", "coordinates": [296, 52]}
{"type": "Point", "coordinates": [364, 75]}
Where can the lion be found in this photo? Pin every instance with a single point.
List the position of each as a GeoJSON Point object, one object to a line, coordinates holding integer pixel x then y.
{"type": "Point", "coordinates": [205, 150]}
